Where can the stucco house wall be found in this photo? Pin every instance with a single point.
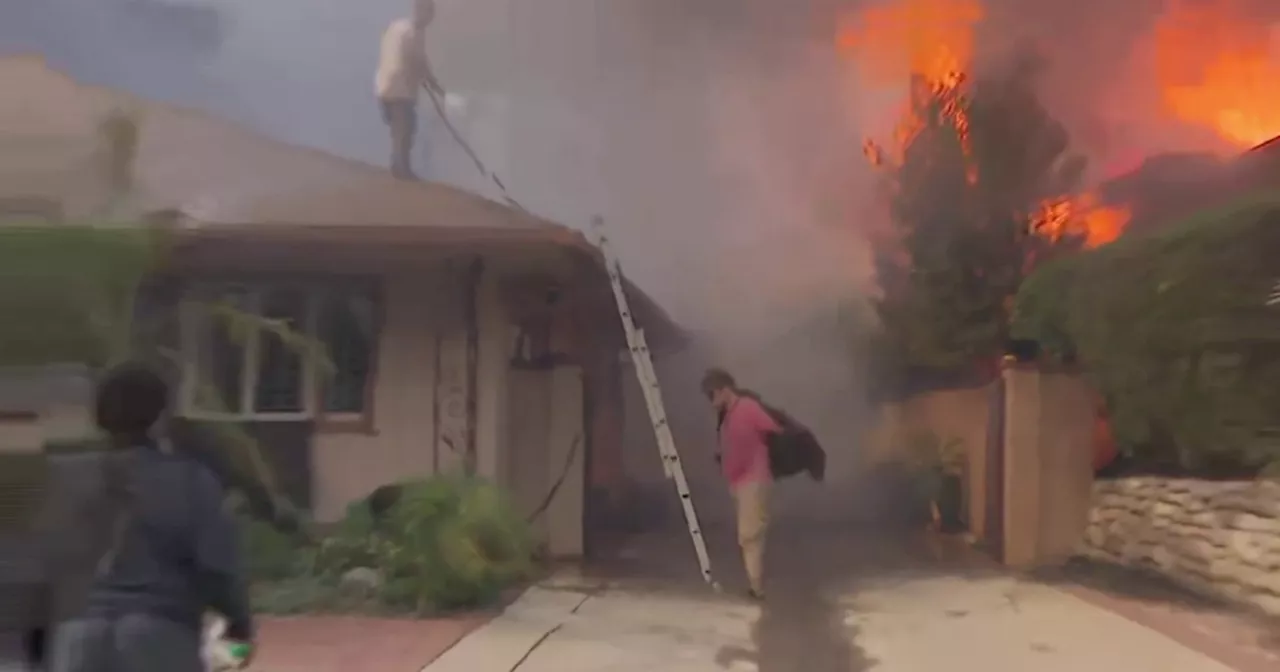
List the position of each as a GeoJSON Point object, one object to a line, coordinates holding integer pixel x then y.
{"type": "Point", "coordinates": [458, 278]}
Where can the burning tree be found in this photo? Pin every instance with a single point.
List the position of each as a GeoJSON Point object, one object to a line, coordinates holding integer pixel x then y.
{"type": "Point", "coordinates": [976, 202]}
{"type": "Point", "coordinates": [982, 184]}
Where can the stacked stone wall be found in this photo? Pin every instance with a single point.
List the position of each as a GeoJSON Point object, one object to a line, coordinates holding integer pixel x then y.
{"type": "Point", "coordinates": [1218, 538]}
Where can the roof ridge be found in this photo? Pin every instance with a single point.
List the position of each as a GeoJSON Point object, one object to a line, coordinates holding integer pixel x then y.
{"type": "Point", "coordinates": [146, 106]}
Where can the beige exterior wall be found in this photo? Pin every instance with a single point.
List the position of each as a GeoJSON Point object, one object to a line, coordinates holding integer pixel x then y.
{"type": "Point", "coordinates": [960, 414]}
{"type": "Point", "coordinates": [566, 455]}
{"type": "Point", "coordinates": [526, 420]}
{"type": "Point", "coordinates": [529, 428]}
{"type": "Point", "coordinates": [547, 439]}
{"type": "Point", "coordinates": [1048, 469]}
{"type": "Point", "coordinates": [349, 466]}
{"type": "Point", "coordinates": [420, 311]}
{"type": "Point", "coordinates": [496, 332]}
{"type": "Point", "coordinates": [1022, 466]}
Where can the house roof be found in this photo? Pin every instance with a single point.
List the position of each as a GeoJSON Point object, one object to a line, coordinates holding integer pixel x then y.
{"type": "Point", "coordinates": [223, 178]}
{"type": "Point", "coordinates": [219, 173]}
{"type": "Point", "coordinates": [1271, 145]}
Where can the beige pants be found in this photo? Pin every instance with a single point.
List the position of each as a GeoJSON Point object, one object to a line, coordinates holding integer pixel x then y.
{"type": "Point", "coordinates": [752, 500]}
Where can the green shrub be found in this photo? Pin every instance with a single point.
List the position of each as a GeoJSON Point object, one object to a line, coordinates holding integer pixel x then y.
{"type": "Point", "coordinates": [448, 543]}
{"type": "Point", "coordinates": [452, 542]}
{"type": "Point", "coordinates": [1174, 331]}
{"type": "Point", "coordinates": [310, 594]}
{"type": "Point", "coordinates": [354, 542]}
{"type": "Point", "coordinates": [269, 554]}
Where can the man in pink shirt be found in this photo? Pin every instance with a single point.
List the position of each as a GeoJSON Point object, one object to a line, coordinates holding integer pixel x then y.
{"type": "Point", "coordinates": [744, 457]}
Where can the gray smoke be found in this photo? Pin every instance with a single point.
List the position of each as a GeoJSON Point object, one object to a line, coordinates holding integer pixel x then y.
{"type": "Point", "coordinates": [720, 140]}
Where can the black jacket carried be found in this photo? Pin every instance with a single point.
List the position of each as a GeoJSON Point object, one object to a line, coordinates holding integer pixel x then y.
{"type": "Point", "coordinates": [794, 449]}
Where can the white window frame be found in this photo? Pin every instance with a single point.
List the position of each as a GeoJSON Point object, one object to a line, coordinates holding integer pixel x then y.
{"type": "Point", "coordinates": [190, 324]}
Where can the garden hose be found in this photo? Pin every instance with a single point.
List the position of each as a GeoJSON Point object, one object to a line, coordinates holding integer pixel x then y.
{"type": "Point", "coordinates": [555, 487]}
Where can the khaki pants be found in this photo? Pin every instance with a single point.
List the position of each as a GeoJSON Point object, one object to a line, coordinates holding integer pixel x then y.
{"type": "Point", "coordinates": [752, 500]}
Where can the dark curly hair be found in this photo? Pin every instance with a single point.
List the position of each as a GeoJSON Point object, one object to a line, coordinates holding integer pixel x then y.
{"type": "Point", "coordinates": [130, 399]}
{"type": "Point", "coordinates": [716, 379]}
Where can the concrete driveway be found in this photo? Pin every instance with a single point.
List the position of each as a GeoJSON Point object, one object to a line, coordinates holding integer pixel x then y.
{"type": "Point", "coordinates": [840, 600]}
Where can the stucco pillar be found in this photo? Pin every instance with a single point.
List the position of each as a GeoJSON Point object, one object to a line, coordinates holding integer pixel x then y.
{"type": "Point", "coordinates": [1048, 465]}
{"type": "Point", "coordinates": [1067, 418]}
{"type": "Point", "coordinates": [566, 452]}
{"type": "Point", "coordinates": [1022, 465]}
{"type": "Point", "coordinates": [491, 401]}
{"type": "Point", "coordinates": [449, 403]}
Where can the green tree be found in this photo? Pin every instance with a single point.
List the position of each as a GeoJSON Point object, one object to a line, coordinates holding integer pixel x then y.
{"type": "Point", "coordinates": [983, 160]}
{"type": "Point", "coordinates": [72, 285]}
{"type": "Point", "coordinates": [1175, 331]}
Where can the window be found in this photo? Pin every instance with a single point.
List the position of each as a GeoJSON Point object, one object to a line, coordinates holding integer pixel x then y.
{"type": "Point", "coordinates": [280, 351]}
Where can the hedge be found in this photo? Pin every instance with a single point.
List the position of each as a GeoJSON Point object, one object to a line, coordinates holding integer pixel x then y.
{"type": "Point", "coordinates": [1174, 331]}
{"type": "Point", "coordinates": [66, 290]}
{"type": "Point", "coordinates": [448, 543]}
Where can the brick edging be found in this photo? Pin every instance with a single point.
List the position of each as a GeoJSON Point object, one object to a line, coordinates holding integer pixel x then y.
{"type": "Point", "coordinates": [1233, 656]}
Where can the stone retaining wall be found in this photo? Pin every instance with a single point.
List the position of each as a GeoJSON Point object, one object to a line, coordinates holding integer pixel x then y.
{"type": "Point", "coordinates": [1218, 538]}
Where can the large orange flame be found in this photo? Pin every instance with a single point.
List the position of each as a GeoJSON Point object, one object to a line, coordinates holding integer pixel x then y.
{"type": "Point", "coordinates": [932, 39]}
{"type": "Point", "coordinates": [1219, 69]}
{"type": "Point", "coordinates": [927, 42]}
{"type": "Point", "coordinates": [931, 43]}
{"type": "Point", "coordinates": [1081, 216]}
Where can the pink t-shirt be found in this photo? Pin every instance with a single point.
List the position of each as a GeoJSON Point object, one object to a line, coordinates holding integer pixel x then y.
{"type": "Point", "coordinates": [744, 455]}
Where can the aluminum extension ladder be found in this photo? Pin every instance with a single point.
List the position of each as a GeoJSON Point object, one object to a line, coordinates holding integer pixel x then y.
{"type": "Point", "coordinates": [648, 377]}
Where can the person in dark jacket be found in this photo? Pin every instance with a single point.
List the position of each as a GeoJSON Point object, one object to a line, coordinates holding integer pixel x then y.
{"type": "Point", "coordinates": [138, 545]}
{"type": "Point", "coordinates": [205, 444]}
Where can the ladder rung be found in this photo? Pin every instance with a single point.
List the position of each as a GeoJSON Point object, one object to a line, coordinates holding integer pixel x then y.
{"type": "Point", "coordinates": [647, 377]}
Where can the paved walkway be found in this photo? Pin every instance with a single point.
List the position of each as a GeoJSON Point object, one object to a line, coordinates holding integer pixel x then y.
{"type": "Point", "coordinates": [1241, 640]}
{"type": "Point", "coordinates": [840, 603]}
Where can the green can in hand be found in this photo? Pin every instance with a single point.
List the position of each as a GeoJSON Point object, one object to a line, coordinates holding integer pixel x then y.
{"type": "Point", "coordinates": [240, 651]}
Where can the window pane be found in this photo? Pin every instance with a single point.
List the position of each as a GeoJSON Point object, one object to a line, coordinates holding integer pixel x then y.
{"type": "Point", "coordinates": [347, 327]}
{"type": "Point", "coordinates": [279, 387]}
{"type": "Point", "coordinates": [220, 353]}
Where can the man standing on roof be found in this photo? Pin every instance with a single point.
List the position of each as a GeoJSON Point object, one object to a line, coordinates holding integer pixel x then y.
{"type": "Point", "coordinates": [403, 68]}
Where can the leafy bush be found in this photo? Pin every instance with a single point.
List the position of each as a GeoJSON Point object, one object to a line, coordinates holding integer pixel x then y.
{"type": "Point", "coordinates": [1175, 332]}
{"type": "Point", "coordinates": [448, 543]}
{"type": "Point", "coordinates": [354, 542]}
{"type": "Point", "coordinates": [270, 554]}
{"type": "Point", "coordinates": [452, 542]}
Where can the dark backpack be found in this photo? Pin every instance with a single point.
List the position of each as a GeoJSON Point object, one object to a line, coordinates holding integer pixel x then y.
{"type": "Point", "coordinates": [794, 449]}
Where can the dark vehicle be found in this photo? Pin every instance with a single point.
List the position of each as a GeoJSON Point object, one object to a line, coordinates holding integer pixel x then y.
{"type": "Point", "coordinates": [36, 403]}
